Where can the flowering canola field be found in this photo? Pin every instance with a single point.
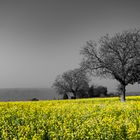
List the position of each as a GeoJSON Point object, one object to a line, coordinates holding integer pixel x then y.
{"type": "Point", "coordinates": [95, 119]}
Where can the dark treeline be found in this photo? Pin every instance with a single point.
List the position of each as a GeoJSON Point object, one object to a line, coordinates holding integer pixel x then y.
{"type": "Point", "coordinates": [93, 91]}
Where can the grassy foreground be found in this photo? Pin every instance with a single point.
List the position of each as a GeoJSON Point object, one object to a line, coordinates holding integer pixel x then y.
{"type": "Point", "coordinates": [95, 119]}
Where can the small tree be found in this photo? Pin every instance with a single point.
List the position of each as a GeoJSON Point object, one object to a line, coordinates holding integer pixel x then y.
{"type": "Point", "coordinates": [65, 96]}
{"type": "Point", "coordinates": [117, 57]}
{"type": "Point", "coordinates": [71, 82]}
{"type": "Point", "coordinates": [91, 91]}
{"type": "Point", "coordinates": [97, 91]}
{"type": "Point", "coordinates": [34, 99]}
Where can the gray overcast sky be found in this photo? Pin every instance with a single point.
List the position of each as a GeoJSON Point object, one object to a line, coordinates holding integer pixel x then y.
{"type": "Point", "coordinates": [40, 39]}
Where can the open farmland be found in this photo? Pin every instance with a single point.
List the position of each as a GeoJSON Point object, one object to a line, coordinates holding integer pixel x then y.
{"type": "Point", "coordinates": [96, 119]}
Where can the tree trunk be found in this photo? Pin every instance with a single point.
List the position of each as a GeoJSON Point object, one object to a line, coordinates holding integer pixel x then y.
{"type": "Point", "coordinates": [74, 94]}
{"type": "Point", "coordinates": [123, 90]}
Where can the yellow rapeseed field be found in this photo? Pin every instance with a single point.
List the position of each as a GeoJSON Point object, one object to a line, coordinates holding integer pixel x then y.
{"type": "Point", "coordinates": [94, 119]}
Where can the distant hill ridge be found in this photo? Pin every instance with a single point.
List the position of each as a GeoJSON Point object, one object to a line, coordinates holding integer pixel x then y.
{"type": "Point", "coordinates": [25, 94]}
{"type": "Point", "coordinates": [133, 94]}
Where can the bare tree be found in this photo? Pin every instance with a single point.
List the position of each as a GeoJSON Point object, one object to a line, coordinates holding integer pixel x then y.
{"type": "Point", "coordinates": [71, 82]}
{"type": "Point", "coordinates": [117, 57]}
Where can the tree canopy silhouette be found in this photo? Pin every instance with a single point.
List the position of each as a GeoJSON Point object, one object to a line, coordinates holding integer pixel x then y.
{"type": "Point", "coordinates": [117, 57]}
{"type": "Point", "coordinates": [72, 81]}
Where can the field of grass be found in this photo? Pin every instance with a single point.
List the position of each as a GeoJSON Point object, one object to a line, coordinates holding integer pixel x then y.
{"type": "Point", "coordinates": [95, 119]}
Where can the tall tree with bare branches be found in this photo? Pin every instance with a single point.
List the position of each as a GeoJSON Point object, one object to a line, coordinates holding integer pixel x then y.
{"type": "Point", "coordinates": [117, 57]}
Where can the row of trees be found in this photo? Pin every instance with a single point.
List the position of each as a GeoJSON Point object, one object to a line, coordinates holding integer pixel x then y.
{"type": "Point", "coordinates": [75, 84]}
{"type": "Point", "coordinates": [116, 57]}
{"type": "Point", "coordinates": [93, 91]}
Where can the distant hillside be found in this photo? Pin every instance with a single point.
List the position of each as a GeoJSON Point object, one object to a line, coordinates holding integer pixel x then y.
{"type": "Point", "coordinates": [22, 94]}
{"type": "Point", "coordinates": [133, 93]}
